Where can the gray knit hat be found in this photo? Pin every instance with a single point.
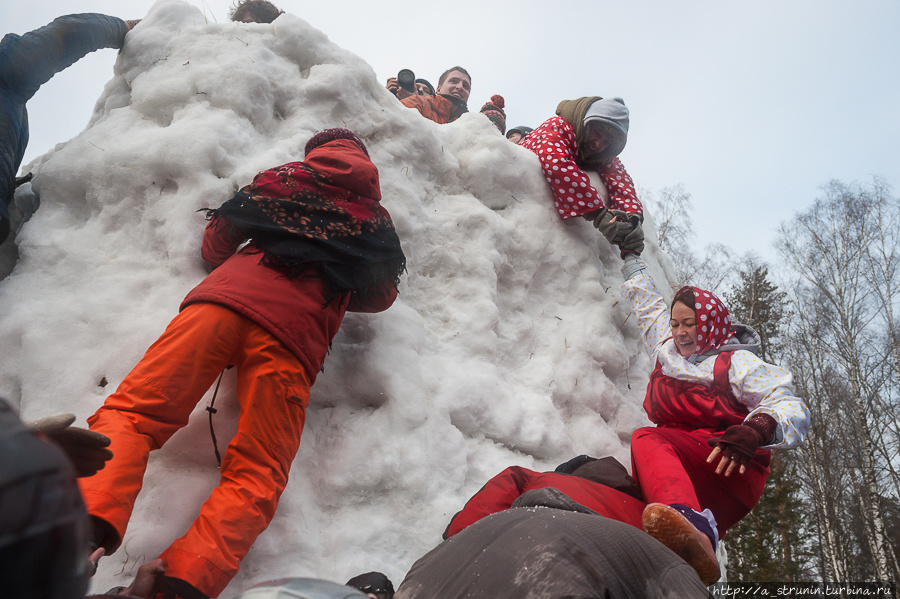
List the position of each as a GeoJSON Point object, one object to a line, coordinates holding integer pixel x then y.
{"type": "Point", "coordinates": [612, 112]}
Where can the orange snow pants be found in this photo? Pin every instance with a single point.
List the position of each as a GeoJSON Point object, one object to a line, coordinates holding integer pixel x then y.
{"type": "Point", "coordinates": [156, 399]}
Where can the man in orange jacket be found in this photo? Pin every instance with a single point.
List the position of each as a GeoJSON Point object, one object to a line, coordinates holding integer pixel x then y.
{"type": "Point", "coordinates": [320, 243]}
{"type": "Point", "coordinates": [449, 103]}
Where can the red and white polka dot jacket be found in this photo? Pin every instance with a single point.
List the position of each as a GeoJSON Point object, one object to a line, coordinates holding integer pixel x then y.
{"type": "Point", "coordinates": [554, 143]}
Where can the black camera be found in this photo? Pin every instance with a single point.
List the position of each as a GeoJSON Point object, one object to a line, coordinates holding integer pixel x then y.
{"type": "Point", "coordinates": [407, 80]}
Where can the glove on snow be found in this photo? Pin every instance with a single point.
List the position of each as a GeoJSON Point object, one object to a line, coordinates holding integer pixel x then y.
{"type": "Point", "coordinates": [740, 442]}
{"type": "Point", "coordinates": [88, 451]}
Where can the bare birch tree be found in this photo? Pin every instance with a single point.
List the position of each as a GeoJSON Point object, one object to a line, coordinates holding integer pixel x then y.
{"type": "Point", "coordinates": [672, 216]}
{"type": "Point", "coordinates": [828, 247]}
{"type": "Point", "coordinates": [822, 467]}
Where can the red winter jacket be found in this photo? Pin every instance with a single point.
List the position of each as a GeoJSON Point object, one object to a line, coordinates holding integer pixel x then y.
{"type": "Point", "coordinates": [555, 145]}
{"type": "Point", "coordinates": [500, 492]}
{"type": "Point", "coordinates": [292, 309]}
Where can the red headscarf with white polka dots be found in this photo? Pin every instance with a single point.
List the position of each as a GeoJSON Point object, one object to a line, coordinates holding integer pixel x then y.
{"type": "Point", "coordinates": [713, 322]}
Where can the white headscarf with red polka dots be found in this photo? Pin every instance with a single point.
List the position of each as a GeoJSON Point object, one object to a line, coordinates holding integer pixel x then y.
{"type": "Point", "coordinates": [714, 325]}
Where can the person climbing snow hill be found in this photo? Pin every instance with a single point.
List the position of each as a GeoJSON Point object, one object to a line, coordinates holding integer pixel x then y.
{"type": "Point", "coordinates": [708, 390]}
{"type": "Point", "coordinates": [320, 244]}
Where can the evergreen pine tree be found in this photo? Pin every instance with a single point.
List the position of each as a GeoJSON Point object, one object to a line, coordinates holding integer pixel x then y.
{"type": "Point", "coordinates": [758, 303]}
{"type": "Point", "coordinates": [766, 546]}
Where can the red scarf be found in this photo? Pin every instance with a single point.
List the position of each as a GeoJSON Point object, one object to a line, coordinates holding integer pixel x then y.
{"type": "Point", "coordinates": [299, 218]}
{"type": "Point", "coordinates": [713, 322]}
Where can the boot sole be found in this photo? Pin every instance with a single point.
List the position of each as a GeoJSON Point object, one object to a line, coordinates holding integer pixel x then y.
{"type": "Point", "coordinates": [676, 532]}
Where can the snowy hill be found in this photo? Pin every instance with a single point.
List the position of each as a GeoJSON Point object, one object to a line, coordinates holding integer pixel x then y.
{"type": "Point", "coordinates": [509, 343]}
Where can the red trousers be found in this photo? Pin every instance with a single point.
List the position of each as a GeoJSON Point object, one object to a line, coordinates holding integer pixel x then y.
{"type": "Point", "coordinates": [156, 399]}
{"type": "Point", "coordinates": [669, 464]}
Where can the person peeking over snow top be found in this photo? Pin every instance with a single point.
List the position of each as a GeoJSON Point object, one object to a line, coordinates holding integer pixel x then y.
{"type": "Point", "coordinates": [254, 11]}
{"type": "Point", "coordinates": [424, 87]}
{"type": "Point", "coordinates": [588, 134]}
{"type": "Point", "coordinates": [708, 389]}
{"type": "Point", "coordinates": [516, 134]}
{"type": "Point", "coordinates": [493, 110]}
{"type": "Point", "coordinates": [449, 102]}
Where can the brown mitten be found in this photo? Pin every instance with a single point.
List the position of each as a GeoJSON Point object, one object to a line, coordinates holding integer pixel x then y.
{"type": "Point", "coordinates": [740, 442]}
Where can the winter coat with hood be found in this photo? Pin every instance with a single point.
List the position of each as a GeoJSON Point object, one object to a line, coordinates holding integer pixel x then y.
{"type": "Point", "coordinates": [559, 144]}
{"type": "Point", "coordinates": [552, 547]}
{"type": "Point", "coordinates": [295, 310]}
{"type": "Point", "coordinates": [758, 386]}
{"type": "Point", "coordinates": [30, 60]}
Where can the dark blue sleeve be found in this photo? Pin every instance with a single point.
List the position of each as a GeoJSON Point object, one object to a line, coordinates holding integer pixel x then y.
{"type": "Point", "coordinates": [29, 61]}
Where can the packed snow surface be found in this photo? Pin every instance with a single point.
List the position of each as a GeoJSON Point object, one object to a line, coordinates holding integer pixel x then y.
{"type": "Point", "coordinates": [509, 343]}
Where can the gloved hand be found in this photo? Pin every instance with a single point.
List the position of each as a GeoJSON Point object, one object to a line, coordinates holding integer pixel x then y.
{"type": "Point", "coordinates": [634, 240]}
{"type": "Point", "coordinates": [633, 217]}
{"type": "Point", "coordinates": [88, 451]}
{"type": "Point", "coordinates": [739, 442]}
{"type": "Point", "coordinates": [613, 225]}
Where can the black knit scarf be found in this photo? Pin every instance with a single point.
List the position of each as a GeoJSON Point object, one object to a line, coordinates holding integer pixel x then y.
{"type": "Point", "coordinates": [299, 220]}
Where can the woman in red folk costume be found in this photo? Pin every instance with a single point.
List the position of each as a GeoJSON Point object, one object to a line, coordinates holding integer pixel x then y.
{"type": "Point", "coordinates": [708, 389]}
{"type": "Point", "coordinates": [588, 134]}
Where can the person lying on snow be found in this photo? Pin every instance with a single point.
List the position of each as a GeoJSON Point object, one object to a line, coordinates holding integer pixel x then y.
{"type": "Point", "coordinates": [588, 134]}
{"type": "Point", "coordinates": [603, 485]}
{"type": "Point", "coordinates": [320, 243]}
{"type": "Point", "coordinates": [548, 545]}
{"type": "Point", "coordinates": [708, 389]}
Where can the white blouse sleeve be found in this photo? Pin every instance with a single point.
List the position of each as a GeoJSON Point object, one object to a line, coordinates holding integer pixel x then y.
{"type": "Point", "coordinates": [767, 388]}
{"type": "Point", "coordinates": [650, 308]}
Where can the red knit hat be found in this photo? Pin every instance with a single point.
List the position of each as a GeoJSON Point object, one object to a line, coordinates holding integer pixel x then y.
{"type": "Point", "coordinates": [323, 137]}
{"type": "Point", "coordinates": [494, 111]}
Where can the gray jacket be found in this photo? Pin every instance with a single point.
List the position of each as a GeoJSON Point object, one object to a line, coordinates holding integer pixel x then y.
{"type": "Point", "coordinates": [559, 550]}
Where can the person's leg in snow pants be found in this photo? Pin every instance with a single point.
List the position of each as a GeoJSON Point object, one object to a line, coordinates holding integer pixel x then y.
{"type": "Point", "coordinates": [157, 398]}
{"type": "Point", "coordinates": [669, 465]}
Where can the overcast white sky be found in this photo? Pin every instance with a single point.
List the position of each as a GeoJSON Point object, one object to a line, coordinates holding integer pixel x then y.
{"type": "Point", "coordinates": [751, 106]}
